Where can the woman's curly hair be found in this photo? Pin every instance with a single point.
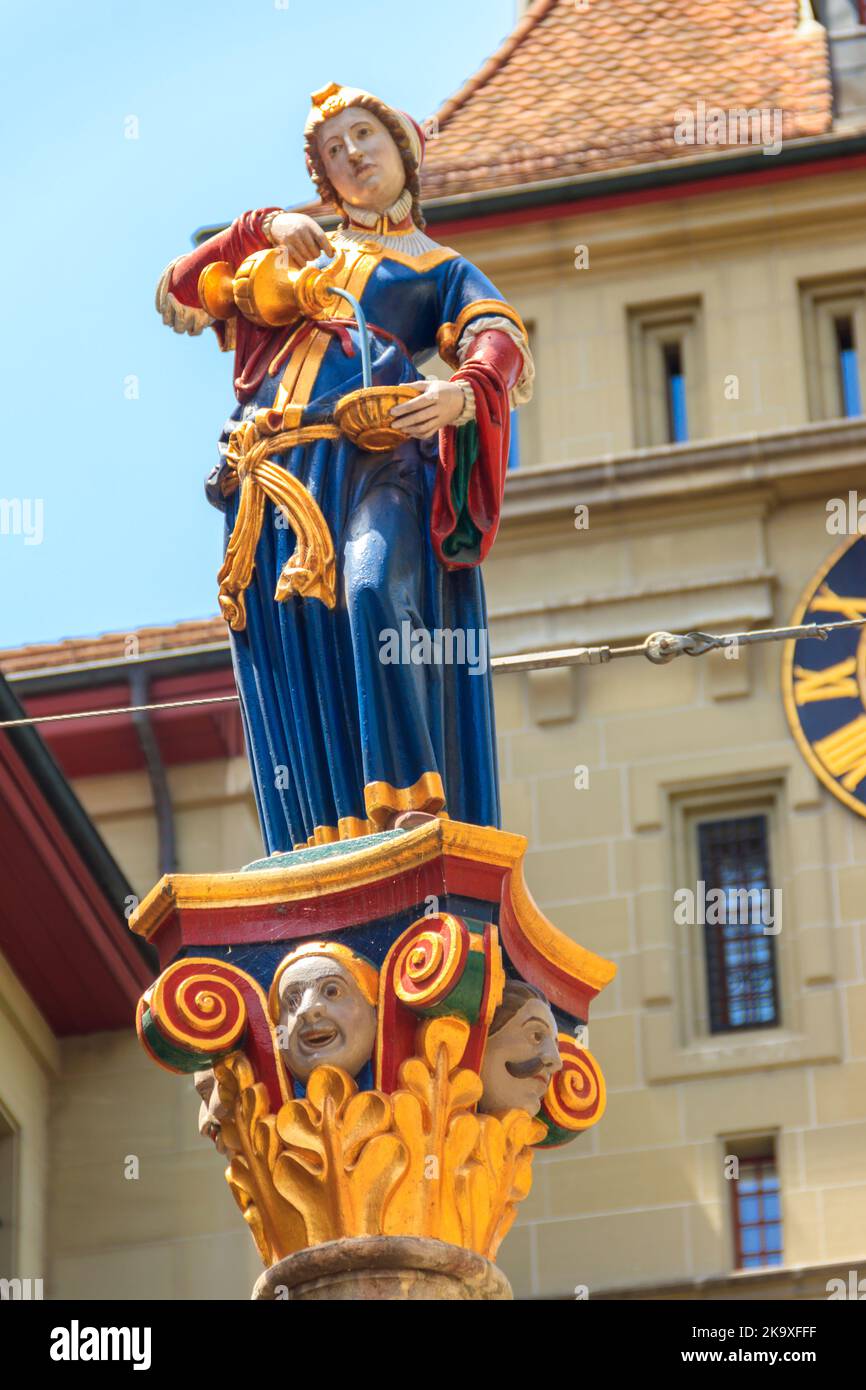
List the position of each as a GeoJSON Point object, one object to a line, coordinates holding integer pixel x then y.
{"type": "Point", "coordinates": [325, 188]}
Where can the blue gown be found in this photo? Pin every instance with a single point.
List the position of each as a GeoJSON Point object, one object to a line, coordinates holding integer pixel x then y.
{"type": "Point", "coordinates": [334, 732]}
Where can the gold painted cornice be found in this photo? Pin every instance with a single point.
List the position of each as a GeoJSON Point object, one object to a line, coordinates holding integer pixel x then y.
{"type": "Point", "coordinates": [322, 876]}
{"type": "Point", "coordinates": [372, 864]}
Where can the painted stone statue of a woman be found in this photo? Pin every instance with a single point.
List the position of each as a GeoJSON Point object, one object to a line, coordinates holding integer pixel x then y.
{"type": "Point", "coordinates": [350, 720]}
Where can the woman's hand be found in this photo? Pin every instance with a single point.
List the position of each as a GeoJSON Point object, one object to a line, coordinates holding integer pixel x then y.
{"type": "Point", "coordinates": [438, 405]}
{"type": "Point", "coordinates": [300, 236]}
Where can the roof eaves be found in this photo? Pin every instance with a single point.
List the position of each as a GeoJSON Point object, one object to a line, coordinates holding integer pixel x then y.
{"type": "Point", "coordinates": [47, 776]}
{"type": "Point", "coordinates": [595, 183]}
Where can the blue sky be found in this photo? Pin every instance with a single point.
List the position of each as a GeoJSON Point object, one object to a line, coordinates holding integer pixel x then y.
{"type": "Point", "coordinates": [111, 418]}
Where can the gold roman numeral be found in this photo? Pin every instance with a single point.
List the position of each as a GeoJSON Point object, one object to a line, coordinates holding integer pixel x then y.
{"type": "Point", "coordinates": [825, 601]}
{"type": "Point", "coordinates": [844, 752]}
{"type": "Point", "coordinates": [832, 683]}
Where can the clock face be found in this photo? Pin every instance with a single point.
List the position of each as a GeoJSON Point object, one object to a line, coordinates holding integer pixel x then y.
{"type": "Point", "coordinates": [824, 683]}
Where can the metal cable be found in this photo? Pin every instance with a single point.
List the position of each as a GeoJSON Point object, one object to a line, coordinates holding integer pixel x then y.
{"type": "Point", "coordinates": [659, 648]}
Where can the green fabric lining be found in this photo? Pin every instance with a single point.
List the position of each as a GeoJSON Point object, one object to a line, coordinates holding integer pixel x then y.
{"type": "Point", "coordinates": [466, 535]}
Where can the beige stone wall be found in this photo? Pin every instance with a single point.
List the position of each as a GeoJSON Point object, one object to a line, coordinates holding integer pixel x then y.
{"type": "Point", "coordinates": [642, 1200]}
{"type": "Point", "coordinates": [139, 1206]}
{"type": "Point", "coordinates": [29, 1059]}
{"type": "Point", "coordinates": [214, 812]}
{"type": "Point", "coordinates": [742, 253]}
{"type": "Point", "coordinates": [703, 539]}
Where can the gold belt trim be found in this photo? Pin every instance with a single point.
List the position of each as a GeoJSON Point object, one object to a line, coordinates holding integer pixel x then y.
{"type": "Point", "coordinates": [381, 799]}
{"type": "Point", "coordinates": [311, 569]}
{"type": "Point", "coordinates": [448, 336]}
{"type": "Point", "coordinates": [384, 800]}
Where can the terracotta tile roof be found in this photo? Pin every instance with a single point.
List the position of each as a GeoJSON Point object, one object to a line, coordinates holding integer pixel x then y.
{"type": "Point", "coordinates": [111, 646]}
{"type": "Point", "coordinates": [574, 90]}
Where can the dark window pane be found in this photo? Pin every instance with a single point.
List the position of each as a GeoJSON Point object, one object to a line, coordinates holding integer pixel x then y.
{"type": "Point", "coordinates": [849, 367]}
{"type": "Point", "coordinates": [770, 1207]}
{"type": "Point", "coordinates": [740, 956]}
{"type": "Point", "coordinates": [678, 424]}
{"type": "Point", "coordinates": [757, 1215]}
{"type": "Point", "coordinates": [751, 1240]}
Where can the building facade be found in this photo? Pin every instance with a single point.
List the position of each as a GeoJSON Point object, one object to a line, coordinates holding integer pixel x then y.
{"type": "Point", "coordinates": [674, 198]}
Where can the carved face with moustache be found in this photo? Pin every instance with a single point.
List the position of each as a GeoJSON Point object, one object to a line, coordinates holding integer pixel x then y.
{"type": "Point", "coordinates": [325, 1014]}
{"type": "Point", "coordinates": [522, 1053]}
{"type": "Point", "coordinates": [211, 1111]}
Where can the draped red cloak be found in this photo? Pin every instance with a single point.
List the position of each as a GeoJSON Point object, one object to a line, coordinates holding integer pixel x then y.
{"type": "Point", "coordinates": [492, 367]}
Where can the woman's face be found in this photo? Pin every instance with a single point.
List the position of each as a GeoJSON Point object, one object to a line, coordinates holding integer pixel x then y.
{"type": "Point", "coordinates": [361, 159]}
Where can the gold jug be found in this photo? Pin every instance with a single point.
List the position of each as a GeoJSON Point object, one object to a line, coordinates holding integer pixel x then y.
{"type": "Point", "coordinates": [266, 291]}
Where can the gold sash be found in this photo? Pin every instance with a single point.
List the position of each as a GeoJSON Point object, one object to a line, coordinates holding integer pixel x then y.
{"type": "Point", "coordinates": [311, 569]}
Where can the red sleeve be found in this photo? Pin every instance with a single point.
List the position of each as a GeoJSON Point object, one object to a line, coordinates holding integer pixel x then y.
{"type": "Point", "coordinates": [241, 239]}
{"type": "Point", "coordinates": [492, 367]}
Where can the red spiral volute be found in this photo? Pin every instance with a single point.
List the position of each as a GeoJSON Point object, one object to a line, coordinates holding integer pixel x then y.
{"type": "Point", "coordinates": [197, 1003]}
{"type": "Point", "coordinates": [430, 961]}
{"type": "Point", "coordinates": [576, 1097]}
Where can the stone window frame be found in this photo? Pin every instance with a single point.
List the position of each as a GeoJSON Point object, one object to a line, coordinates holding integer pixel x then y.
{"type": "Point", "coordinates": [821, 303]}
{"type": "Point", "coordinates": [810, 1030]}
{"type": "Point", "coordinates": [746, 1144]}
{"type": "Point", "coordinates": [651, 328]}
{"type": "Point", "coordinates": [689, 809]}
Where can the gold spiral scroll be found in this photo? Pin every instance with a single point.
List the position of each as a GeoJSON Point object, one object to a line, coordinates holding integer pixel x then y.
{"type": "Point", "coordinates": [431, 962]}
{"type": "Point", "coordinates": [576, 1097]}
{"type": "Point", "coordinates": [195, 1012]}
{"type": "Point", "coordinates": [311, 570]}
{"type": "Point", "coordinates": [199, 1006]}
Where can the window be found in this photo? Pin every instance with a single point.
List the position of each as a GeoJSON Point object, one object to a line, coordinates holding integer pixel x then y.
{"type": "Point", "coordinates": [757, 1206]}
{"type": "Point", "coordinates": [678, 415]}
{"type": "Point", "coordinates": [667, 373]}
{"type": "Point", "coordinates": [845, 21]}
{"type": "Point", "coordinates": [734, 866]}
{"type": "Point", "coordinates": [834, 327]}
{"type": "Point", "coordinates": [849, 376]}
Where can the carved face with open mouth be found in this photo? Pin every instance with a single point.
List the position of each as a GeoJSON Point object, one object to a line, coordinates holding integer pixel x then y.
{"type": "Point", "coordinates": [324, 1018]}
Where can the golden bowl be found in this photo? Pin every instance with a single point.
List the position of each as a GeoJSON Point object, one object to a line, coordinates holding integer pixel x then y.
{"type": "Point", "coordinates": [364, 415]}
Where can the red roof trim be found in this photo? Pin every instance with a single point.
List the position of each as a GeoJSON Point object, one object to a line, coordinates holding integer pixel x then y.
{"type": "Point", "coordinates": [603, 202]}
{"type": "Point", "coordinates": [61, 936]}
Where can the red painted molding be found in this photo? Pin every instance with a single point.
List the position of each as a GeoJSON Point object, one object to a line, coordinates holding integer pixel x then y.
{"type": "Point", "coordinates": [601, 202]}
{"type": "Point", "coordinates": [104, 744]}
{"type": "Point", "coordinates": [66, 943]}
{"type": "Point", "coordinates": [196, 928]}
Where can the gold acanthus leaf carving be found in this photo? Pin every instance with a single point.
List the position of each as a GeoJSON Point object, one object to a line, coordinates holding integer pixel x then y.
{"type": "Point", "coordinates": [250, 1138]}
{"type": "Point", "coordinates": [340, 1163]}
{"type": "Point", "coordinates": [433, 1115]}
{"type": "Point", "coordinates": [348, 1163]}
{"type": "Point", "coordinates": [497, 1177]}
